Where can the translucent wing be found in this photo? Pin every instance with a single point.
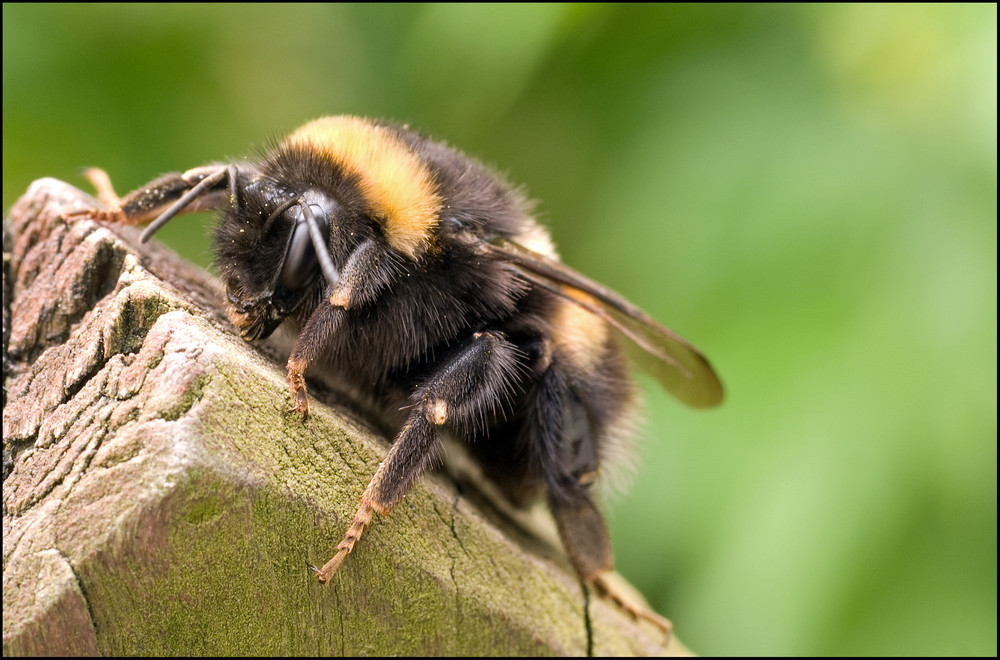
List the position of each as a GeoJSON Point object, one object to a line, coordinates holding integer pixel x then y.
{"type": "Point", "coordinates": [679, 367]}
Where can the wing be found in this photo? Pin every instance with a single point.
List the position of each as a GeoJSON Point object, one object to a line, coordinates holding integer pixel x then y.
{"type": "Point", "coordinates": [679, 367]}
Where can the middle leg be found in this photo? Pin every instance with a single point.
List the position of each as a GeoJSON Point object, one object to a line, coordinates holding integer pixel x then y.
{"type": "Point", "coordinates": [464, 393]}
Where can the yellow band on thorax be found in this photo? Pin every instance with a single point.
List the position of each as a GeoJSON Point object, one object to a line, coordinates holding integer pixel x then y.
{"type": "Point", "coordinates": [396, 184]}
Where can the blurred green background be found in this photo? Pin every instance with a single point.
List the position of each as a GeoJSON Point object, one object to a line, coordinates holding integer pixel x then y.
{"type": "Point", "coordinates": [808, 193]}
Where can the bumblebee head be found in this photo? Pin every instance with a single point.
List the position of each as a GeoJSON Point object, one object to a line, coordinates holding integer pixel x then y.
{"type": "Point", "coordinates": [272, 245]}
{"type": "Point", "coordinates": [272, 242]}
{"type": "Point", "coordinates": [303, 206]}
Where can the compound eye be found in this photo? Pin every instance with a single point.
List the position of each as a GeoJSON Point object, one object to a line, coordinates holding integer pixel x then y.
{"type": "Point", "coordinates": [301, 263]}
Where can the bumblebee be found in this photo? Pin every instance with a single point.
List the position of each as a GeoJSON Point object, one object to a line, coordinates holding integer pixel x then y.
{"type": "Point", "coordinates": [421, 281]}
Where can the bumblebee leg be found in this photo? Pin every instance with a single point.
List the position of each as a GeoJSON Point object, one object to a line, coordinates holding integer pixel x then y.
{"type": "Point", "coordinates": [479, 378]}
{"type": "Point", "coordinates": [198, 189]}
{"type": "Point", "coordinates": [619, 597]}
{"type": "Point", "coordinates": [102, 184]}
{"type": "Point", "coordinates": [106, 195]}
{"type": "Point", "coordinates": [411, 452]}
{"type": "Point", "coordinates": [309, 346]}
{"type": "Point", "coordinates": [588, 544]}
{"type": "Point", "coordinates": [565, 451]}
{"type": "Point", "coordinates": [368, 270]}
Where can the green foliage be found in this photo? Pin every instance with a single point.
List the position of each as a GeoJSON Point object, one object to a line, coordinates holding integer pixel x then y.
{"type": "Point", "coordinates": [807, 192]}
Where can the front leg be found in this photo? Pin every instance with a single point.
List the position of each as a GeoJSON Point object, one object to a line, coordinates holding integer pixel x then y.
{"type": "Point", "coordinates": [369, 270]}
{"type": "Point", "coordinates": [371, 267]}
{"type": "Point", "coordinates": [310, 345]}
{"type": "Point", "coordinates": [480, 377]}
{"type": "Point", "coordinates": [199, 189]}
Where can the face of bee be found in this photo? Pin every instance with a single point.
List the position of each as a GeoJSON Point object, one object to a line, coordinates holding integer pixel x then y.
{"type": "Point", "coordinates": [267, 255]}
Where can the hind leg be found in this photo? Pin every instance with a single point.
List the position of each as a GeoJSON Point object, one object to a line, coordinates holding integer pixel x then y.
{"type": "Point", "coordinates": [563, 432]}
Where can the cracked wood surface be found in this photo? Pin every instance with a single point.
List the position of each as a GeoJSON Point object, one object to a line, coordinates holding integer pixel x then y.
{"type": "Point", "coordinates": [159, 500]}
